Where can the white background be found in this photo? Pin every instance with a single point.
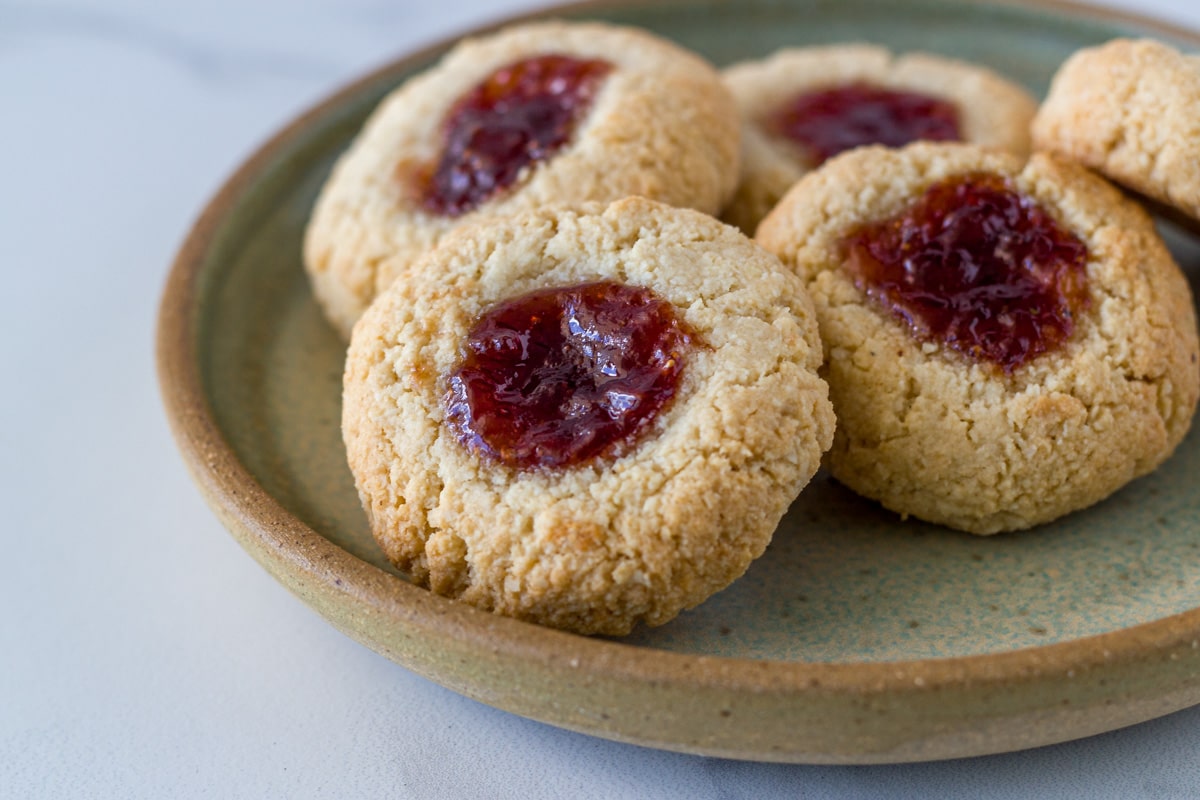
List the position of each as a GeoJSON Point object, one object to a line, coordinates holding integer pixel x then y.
{"type": "Point", "coordinates": [142, 653]}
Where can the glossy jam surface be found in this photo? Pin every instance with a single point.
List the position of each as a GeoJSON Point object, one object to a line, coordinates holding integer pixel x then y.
{"type": "Point", "coordinates": [520, 115]}
{"type": "Point", "coordinates": [977, 266]}
{"type": "Point", "coordinates": [559, 376]}
{"type": "Point", "coordinates": [829, 121]}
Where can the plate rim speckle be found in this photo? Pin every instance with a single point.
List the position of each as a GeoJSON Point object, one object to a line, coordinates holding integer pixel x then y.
{"type": "Point", "coordinates": [820, 712]}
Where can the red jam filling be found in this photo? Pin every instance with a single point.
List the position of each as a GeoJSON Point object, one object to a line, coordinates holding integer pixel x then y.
{"type": "Point", "coordinates": [977, 266]}
{"type": "Point", "coordinates": [829, 121]}
{"type": "Point", "coordinates": [559, 376]}
{"type": "Point", "coordinates": [520, 115]}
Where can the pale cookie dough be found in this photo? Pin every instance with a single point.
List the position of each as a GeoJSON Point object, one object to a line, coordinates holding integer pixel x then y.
{"type": "Point", "coordinates": [993, 112]}
{"type": "Point", "coordinates": [662, 126]}
{"type": "Point", "coordinates": [601, 546]}
{"type": "Point", "coordinates": [930, 433]}
{"type": "Point", "coordinates": [1129, 109]}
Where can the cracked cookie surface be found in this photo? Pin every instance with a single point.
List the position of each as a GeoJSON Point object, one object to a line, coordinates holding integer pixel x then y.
{"type": "Point", "coordinates": [660, 125]}
{"type": "Point", "coordinates": [605, 544]}
{"type": "Point", "coordinates": [992, 111]}
{"type": "Point", "coordinates": [1129, 109]}
{"type": "Point", "coordinates": [931, 433]}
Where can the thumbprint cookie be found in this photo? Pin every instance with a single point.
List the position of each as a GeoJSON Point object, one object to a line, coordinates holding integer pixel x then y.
{"type": "Point", "coordinates": [586, 419]}
{"type": "Point", "coordinates": [801, 106]}
{"type": "Point", "coordinates": [538, 114]}
{"type": "Point", "coordinates": [1005, 341]}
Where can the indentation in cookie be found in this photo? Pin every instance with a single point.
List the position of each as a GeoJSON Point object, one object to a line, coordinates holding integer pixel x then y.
{"type": "Point", "coordinates": [830, 120]}
{"type": "Point", "coordinates": [521, 114]}
{"type": "Point", "coordinates": [562, 375]}
{"type": "Point", "coordinates": [978, 266]}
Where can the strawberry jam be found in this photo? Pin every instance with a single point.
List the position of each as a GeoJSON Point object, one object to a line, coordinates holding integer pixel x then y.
{"type": "Point", "coordinates": [977, 266]}
{"type": "Point", "coordinates": [829, 121]}
{"type": "Point", "coordinates": [559, 376]}
{"type": "Point", "coordinates": [521, 114]}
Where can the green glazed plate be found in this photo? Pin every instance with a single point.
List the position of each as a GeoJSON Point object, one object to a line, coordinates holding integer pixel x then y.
{"type": "Point", "coordinates": [857, 638]}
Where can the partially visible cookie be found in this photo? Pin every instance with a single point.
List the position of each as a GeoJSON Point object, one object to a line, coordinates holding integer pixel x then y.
{"type": "Point", "coordinates": [525, 513]}
{"type": "Point", "coordinates": [547, 113]}
{"type": "Point", "coordinates": [1129, 109]}
{"type": "Point", "coordinates": [1006, 341]}
{"type": "Point", "coordinates": [802, 105]}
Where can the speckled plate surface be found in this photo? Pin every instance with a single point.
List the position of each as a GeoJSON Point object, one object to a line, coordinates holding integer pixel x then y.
{"type": "Point", "coordinates": [855, 639]}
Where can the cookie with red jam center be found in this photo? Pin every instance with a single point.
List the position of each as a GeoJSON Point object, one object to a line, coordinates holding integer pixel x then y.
{"type": "Point", "coordinates": [588, 419]}
{"type": "Point", "coordinates": [539, 114]}
{"type": "Point", "coordinates": [1005, 341]}
{"type": "Point", "coordinates": [802, 106]}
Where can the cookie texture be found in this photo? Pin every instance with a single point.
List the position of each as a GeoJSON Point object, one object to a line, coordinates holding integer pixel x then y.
{"type": "Point", "coordinates": [993, 112]}
{"type": "Point", "coordinates": [1129, 109]}
{"type": "Point", "coordinates": [662, 126]}
{"type": "Point", "coordinates": [603, 545]}
{"type": "Point", "coordinates": [931, 433]}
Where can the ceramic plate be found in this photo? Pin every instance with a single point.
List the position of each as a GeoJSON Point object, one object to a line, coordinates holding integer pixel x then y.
{"type": "Point", "coordinates": [856, 638]}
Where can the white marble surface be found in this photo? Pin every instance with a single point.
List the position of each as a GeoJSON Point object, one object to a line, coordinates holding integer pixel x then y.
{"type": "Point", "coordinates": [142, 653]}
